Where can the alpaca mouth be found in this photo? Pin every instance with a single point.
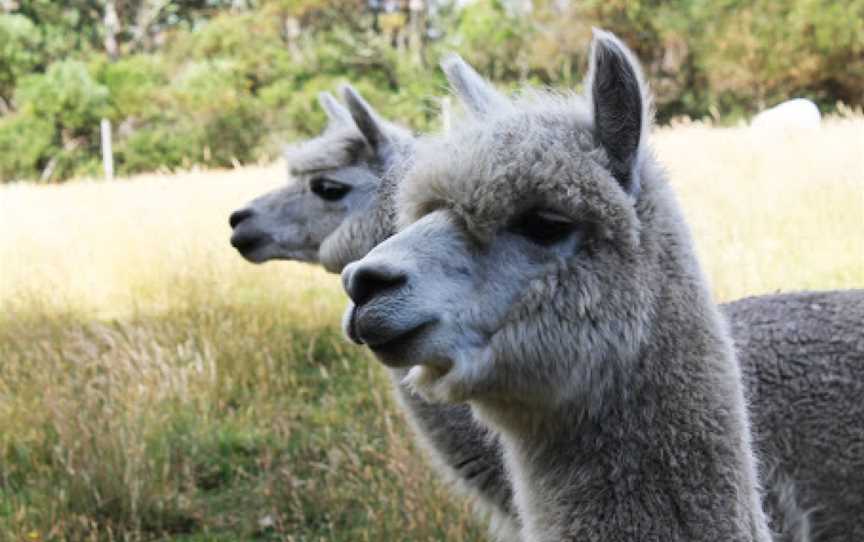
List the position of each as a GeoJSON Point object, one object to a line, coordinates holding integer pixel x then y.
{"type": "Point", "coordinates": [247, 243]}
{"type": "Point", "coordinates": [351, 326]}
{"type": "Point", "coordinates": [392, 347]}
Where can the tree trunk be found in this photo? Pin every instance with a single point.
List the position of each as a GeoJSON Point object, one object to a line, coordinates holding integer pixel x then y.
{"type": "Point", "coordinates": [416, 27]}
{"type": "Point", "coordinates": [112, 27]}
{"type": "Point", "coordinates": [148, 13]}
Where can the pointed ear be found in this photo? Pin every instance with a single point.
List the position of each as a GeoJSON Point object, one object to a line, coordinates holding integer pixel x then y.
{"type": "Point", "coordinates": [620, 106]}
{"type": "Point", "coordinates": [476, 93]}
{"type": "Point", "coordinates": [365, 118]}
{"type": "Point", "coordinates": [336, 112]}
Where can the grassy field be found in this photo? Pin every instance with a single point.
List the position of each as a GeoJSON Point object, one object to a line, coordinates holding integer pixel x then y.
{"type": "Point", "coordinates": [154, 386]}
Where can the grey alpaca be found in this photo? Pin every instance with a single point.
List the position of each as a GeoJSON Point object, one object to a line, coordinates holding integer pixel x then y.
{"type": "Point", "coordinates": [545, 276]}
{"type": "Point", "coordinates": [802, 358]}
{"type": "Point", "coordinates": [332, 214]}
{"type": "Point", "coordinates": [340, 188]}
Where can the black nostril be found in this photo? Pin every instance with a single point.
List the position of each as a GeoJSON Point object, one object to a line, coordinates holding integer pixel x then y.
{"type": "Point", "coordinates": [368, 282]}
{"type": "Point", "coordinates": [239, 216]}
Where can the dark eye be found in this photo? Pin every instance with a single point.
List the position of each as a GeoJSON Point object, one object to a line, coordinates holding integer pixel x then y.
{"type": "Point", "coordinates": [328, 189]}
{"type": "Point", "coordinates": [543, 227]}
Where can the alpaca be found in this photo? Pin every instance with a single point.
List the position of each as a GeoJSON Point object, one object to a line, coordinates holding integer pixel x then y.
{"type": "Point", "coordinates": [466, 454]}
{"type": "Point", "coordinates": [792, 115]}
{"type": "Point", "coordinates": [338, 178]}
{"type": "Point", "coordinates": [546, 278]}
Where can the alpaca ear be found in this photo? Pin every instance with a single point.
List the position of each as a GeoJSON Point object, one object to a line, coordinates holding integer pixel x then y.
{"type": "Point", "coordinates": [620, 106]}
{"type": "Point", "coordinates": [365, 118]}
{"type": "Point", "coordinates": [336, 112]}
{"type": "Point", "coordinates": [475, 92]}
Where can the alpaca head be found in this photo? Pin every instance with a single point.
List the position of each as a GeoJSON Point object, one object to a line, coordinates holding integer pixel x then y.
{"type": "Point", "coordinates": [336, 176]}
{"type": "Point", "coordinates": [524, 271]}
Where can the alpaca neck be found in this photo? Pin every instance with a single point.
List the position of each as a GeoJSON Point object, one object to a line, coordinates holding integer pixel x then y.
{"type": "Point", "coordinates": [670, 459]}
{"type": "Point", "coordinates": [464, 451]}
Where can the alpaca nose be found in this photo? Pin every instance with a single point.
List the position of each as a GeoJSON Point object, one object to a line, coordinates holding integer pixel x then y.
{"type": "Point", "coordinates": [239, 216]}
{"type": "Point", "coordinates": [365, 281]}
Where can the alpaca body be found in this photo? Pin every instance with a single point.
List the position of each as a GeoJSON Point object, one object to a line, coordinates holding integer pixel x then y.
{"type": "Point", "coordinates": [802, 358]}
{"type": "Point", "coordinates": [794, 115]}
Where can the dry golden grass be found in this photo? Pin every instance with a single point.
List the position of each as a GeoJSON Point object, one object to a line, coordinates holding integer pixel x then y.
{"type": "Point", "coordinates": [772, 212]}
{"type": "Point", "coordinates": [108, 249]}
{"type": "Point", "coordinates": [767, 215]}
{"type": "Point", "coordinates": [153, 384]}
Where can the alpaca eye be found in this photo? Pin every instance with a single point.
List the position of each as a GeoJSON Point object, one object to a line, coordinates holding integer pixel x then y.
{"type": "Point", "coordinates": [327, 189]}
{"type": "Point", "coordinates": [543, 227]}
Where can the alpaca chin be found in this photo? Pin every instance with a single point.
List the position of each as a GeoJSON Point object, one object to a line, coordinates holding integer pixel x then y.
{"type": "Point", "coordinates": [450, 381]}
{"type": "Point", "coordinates": [424, 379]}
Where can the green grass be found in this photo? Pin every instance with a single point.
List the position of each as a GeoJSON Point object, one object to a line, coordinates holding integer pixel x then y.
{"type": "Point", "coordinates": [229, 422]}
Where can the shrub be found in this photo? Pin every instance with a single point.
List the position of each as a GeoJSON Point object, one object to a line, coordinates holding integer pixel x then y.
{"type": "Point", "coordinates": [26, 143]}
{"type": "Point", "coordinates": [215, 96]}
{"type": "Point", "coordinates": [159, 146]}
{"type": "Point", "coordinates": [758, 52]}
{"type": "Point", "coordinates": [19, 51]}
{"type": "Point", "coordinates": [66, 94]}
{"type": "Point", "coordinates": [136, 86]}
{"type": "Point", "coordinates": [257, 61]}
{"type": "Point", "coordinates": [493, 39]}
{"type": "Point", "coordinates": [234, 133]}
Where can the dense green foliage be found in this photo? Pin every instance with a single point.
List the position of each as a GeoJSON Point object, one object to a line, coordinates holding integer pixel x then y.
{"type": "Point", "coordinates": [218, 82]}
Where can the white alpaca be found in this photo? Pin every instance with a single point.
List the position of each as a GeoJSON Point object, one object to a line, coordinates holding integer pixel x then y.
{"type": "Point", "coordinates": [789, 116]}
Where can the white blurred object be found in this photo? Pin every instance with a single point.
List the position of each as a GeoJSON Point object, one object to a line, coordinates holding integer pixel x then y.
{"type": "Point", "coordinates": [792, 115]}
{"type": "Point", "coordinates": [107, 153]}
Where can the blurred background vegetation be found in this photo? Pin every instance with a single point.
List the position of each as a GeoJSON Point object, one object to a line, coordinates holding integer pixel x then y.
{"type": "Point", "coordinates": [220, 82]}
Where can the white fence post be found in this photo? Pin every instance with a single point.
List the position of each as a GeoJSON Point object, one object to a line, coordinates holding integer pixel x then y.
{"type": "Point", "coordinates": [107, 154]}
